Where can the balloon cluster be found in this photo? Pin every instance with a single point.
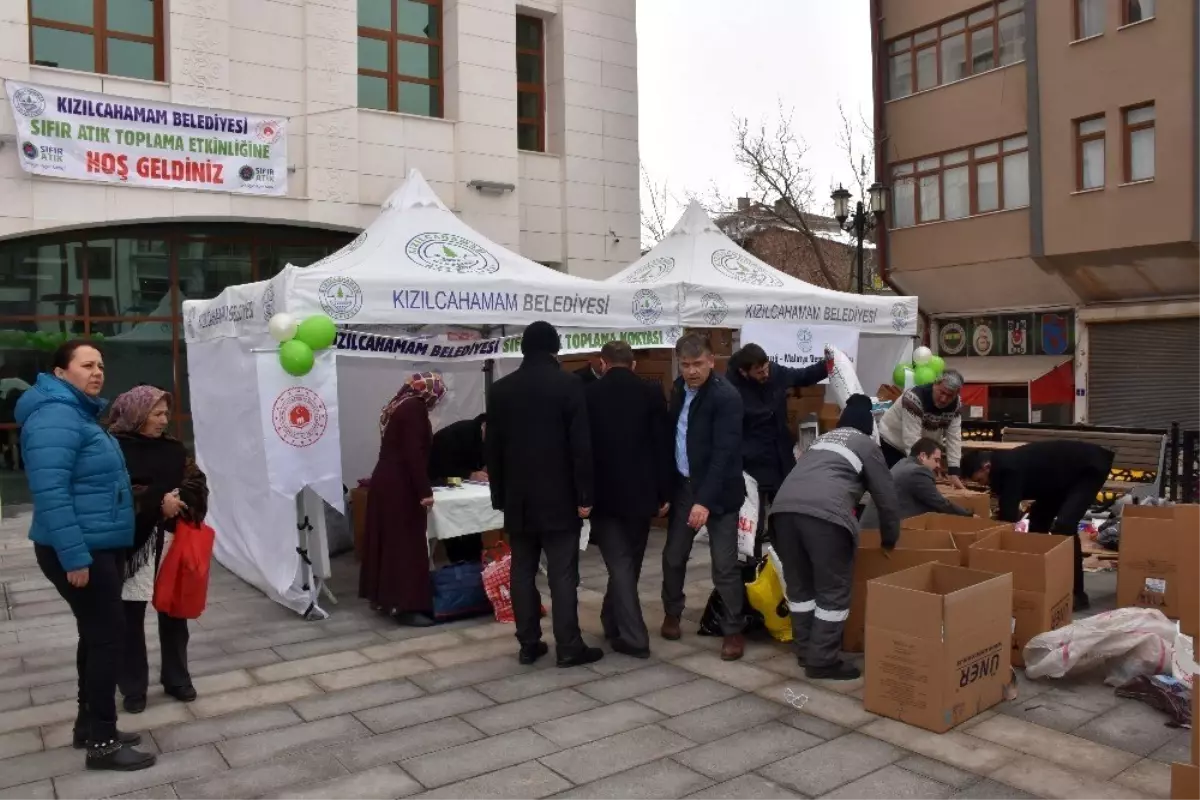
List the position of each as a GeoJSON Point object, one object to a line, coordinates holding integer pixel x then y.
{"type": "Point", "coordinates": [40, 340]}
{"type": "Point", "coordinates": [300, 339]}
{"type": "Point", "coordinates": [924, 369]}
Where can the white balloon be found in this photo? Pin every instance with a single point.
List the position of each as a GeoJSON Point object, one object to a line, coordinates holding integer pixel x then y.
{"type": "Point", "coordinates": [922, 355]}
{"type": "Point", "coordinates": [282, 327]}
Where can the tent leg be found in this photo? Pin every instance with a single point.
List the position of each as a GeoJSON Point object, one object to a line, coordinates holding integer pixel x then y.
{"type": "Point", "coordinates": [311, 583]}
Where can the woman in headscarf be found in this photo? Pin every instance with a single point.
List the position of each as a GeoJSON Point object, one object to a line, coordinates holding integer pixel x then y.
{"type": "Point", "coordinates": [395, 559]}
{"type": "Point", "coordinates": [167, 486]}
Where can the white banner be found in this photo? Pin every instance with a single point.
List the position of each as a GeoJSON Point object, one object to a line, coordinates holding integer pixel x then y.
{"type": "Point", "coordinates": [800, 345]}
{"type": "Point", "coordinates": [66, 133]}
{"type": "Point", "coordinates": [441, 348]}
{"type": "Point", "coordinates": [300, 427]}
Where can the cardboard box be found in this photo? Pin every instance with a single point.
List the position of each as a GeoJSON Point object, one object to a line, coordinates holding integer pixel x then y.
{"type": "Point", "coordinates": [870, 561]}
{"type": "Point", "coordinates": [1195, 727]}
{"type": "Point", "coordinates": [1185, 782]}
{"type": "Point", "coordinates": [358, 519]}
{"type": "Point", "coordinates": [965, 530]}
{"type": "Point", "coordinates": [828, 416]}
{"type": "Point", "coordinates": [1158, 564]}
{"type": "Point", "coordinates": [1042, 567]}
{"type": "Point", "coordinates": [979, 502]}
{"type": "Point", "coordinates": [937, 644]}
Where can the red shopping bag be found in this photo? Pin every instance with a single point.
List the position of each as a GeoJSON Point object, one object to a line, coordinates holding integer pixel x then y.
{"type": "Point", "coordinates": [497, 576]}
{"type": "Point", "coordinates": [181, 589]}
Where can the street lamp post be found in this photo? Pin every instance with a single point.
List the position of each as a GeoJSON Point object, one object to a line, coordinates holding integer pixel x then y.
{"type": "Point", "coordinates": [862, 221]}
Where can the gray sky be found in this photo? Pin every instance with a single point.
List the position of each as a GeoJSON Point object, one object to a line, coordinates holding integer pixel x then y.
{"type": "Point", "coordinates": [700, 62]}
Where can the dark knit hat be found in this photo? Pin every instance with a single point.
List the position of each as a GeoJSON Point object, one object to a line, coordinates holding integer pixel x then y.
{"type": "Point", "coordinates": [857, 414]}
{"type": "Point", "coordinates": [540, 338]}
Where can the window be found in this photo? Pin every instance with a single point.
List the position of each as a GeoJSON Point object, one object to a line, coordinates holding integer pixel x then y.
{"type": "Point", "coordinates": [531, 84]}
{"type": "Point", "coordinates": [1089, 153]}
{"type": "Point", "coordinates": [989, 37]}
{"type": "Point", "coordinates": [400, 56]}
{"type": "Point", "coordinates": [1136, 11]}
{"type": "Point", "coordinates": [983, 178]}
{"type": "Point", "coordinates": [1089, 18]}
{"type": "Point", "coordinates": [1139, 143]}
{"type": "Point", "coordinates": [112, 37]}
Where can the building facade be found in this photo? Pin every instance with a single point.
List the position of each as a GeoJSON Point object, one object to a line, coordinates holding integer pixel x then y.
{"type": "Point", "coordinates": [1042, 157]}
{"type": "Point", "coordinates": [523, 116]}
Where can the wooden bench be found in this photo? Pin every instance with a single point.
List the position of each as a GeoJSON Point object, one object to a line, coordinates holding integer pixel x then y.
{"type": "Point", "coordinates": [1138, 457]}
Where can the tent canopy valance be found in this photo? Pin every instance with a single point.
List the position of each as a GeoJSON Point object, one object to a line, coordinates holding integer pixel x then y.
{"type": "Point", "coordinates": [718, 284]}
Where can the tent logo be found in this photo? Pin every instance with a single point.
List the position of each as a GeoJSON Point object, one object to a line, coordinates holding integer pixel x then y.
{"type": "Point", "coordinates": [651, 270]}
{"type": "Point", "coordinates": [647, 308]}
{"type": "Point", "coordinates": [299, 416]}
{"type": "Point", "coordinates": [358, 242]}
{"type": "Point", "coordinates": [900, 318]}
{"type": "Point", "coordinates": [268, 302]}
{"type": "Point", "coordinates": [742, 269]}
{"type": "Point", "coordinates": [189, 324]}
{"type": "Point", "coordinates": [804, 340]}
{"type": "Point", "coordinates": [445, 252]}
{"type": "Point", "coordinates": [340, 297]}
{"type": "Point", "coordinates": [713, 308]}
{"type": "Point", "coordinates": [29, 102]}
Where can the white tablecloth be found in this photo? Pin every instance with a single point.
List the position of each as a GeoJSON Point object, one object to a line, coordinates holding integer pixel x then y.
{"type": "Point", "coordinates": [462, 510]}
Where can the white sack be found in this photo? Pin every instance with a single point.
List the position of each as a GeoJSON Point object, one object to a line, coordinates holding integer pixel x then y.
{"type": "Point", "coordinates": [843, 380]}
{"type": "Point", "coordinates": [1129, 641]}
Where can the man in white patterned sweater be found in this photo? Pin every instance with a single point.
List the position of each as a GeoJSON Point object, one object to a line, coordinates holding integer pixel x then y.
{"type": "Point", "coordinates": [932, 411]}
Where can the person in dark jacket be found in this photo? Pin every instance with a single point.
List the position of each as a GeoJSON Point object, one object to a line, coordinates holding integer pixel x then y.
{"type": "Point", "coordinates": [816, 534]}
{"type": "Point", "coordinates": [539, 458]}
{"type": "Point", "coordinates": [82, 526]}
{"type": "Point", "coordinates": [767, 443]}
{"type": "Point", "coordinates": [916, 488]}
{"type": "Point", "coordinates": [1062, 478]}
{"type": "Point", "coordinates": [457, 452]}
{"type": "Point", "coordinates": [706, 415]}
{"type": "Point", "coordinates": [631, 449]}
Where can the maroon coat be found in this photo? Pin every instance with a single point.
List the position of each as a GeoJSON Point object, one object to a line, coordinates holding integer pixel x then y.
{"type": "Point", "coordinates": [395, 559]}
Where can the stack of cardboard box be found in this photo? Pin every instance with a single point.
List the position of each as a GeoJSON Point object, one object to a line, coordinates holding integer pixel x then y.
{"type": "Point", "coordinates": [978, 502]}
{"type": "Point", "coordinates": [965, 530]}
{"type": "Point", "coordinates": [938, 644]}
{"type": "Point", "coordinates": [1160, 553]}
{"type": "Point", "coordinates": [1043, 580]}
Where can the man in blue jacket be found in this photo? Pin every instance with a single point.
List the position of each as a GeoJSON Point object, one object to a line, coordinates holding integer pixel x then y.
{"type": "Point", "coordinates": [706, 415]}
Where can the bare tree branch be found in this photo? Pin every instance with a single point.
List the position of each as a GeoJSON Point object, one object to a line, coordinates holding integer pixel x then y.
{"type": "Point", "coordinates": [654, 217]}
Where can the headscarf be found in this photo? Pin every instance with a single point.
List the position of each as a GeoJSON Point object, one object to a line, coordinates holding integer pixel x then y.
{"type": "Point", "coordinates": [427, 387]}
{"type": "Point", "coordinates": [130, 411]}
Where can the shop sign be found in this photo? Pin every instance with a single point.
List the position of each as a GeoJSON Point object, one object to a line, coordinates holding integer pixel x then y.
{"type": "Point", "coordinates": [64, 133]}
{"type": "Point", "coordinates": [1050, 333]}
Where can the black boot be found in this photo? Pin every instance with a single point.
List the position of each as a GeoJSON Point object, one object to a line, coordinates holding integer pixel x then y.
{"type": "Point", "coordinates": [135, 704]}
{"type": "Point", "coordinates": [838, 671]}
{"type": "Point", "coordinates": [117, 757]}
{"type": "Point", "coordinates": [587, 655]}
{"type": "Point", "coordinates": [184, 694]}
{"type": "Point", "coordinates": [531, 653]}
{"type": "Point", "coordinates": [79, 736]}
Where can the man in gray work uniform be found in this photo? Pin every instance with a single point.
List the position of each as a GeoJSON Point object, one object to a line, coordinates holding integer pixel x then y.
{"type": "Point", "coordinates": [816, 534]}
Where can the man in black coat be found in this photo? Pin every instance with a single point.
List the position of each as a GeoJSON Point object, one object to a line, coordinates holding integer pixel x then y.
{"type": "Point", "coordinates": [539, 458]}
{"type": "Point", "coordinates": [631, 447]}
{"type": "Point", "coordinates": [457, 452]}
{"type": "Point", "coordinates": [707, 416]}
{"type": "Point", "coordinates": [1062, 478]}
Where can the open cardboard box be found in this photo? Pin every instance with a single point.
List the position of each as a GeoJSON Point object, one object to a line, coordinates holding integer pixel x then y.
{"type": "Point", "coordinates": [1160, 548]}
{"type": "Point", "coordinates": [938, 644]}
{"type": "Point", "coordinates": [1042, 567]}
{"type": "Point", "coordinates": [978, 502]}
{"type": "Point", "coordinates": [965, 530]}
{"type": "Point", "coordinates": [1185, 782]}
{"type": "Point", "coordinates": [870, 561]}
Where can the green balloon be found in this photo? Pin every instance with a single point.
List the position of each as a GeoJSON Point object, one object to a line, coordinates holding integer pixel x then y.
{"type": "Point", "coordinates": [938, 365]}
{"type": "Point", "coordinates": [923, 375]}
{"type": "Point", "coordinates": [317, 331]}
{"type": "Point", "coordinates": [296, 357]}
{"type": "Point", "coordinates": [898, 374]}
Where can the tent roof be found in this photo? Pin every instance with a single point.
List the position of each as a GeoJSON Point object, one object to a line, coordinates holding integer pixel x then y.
{"type": "Point", "coordinates": [720, 283]}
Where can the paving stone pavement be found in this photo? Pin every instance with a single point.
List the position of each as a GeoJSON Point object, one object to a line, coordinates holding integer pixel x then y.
{"type": "Point", "coordinates": [355, 706]}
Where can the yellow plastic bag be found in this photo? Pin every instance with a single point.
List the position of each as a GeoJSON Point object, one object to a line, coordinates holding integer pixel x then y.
{"type": "Point", "coordinates": [766, 596]}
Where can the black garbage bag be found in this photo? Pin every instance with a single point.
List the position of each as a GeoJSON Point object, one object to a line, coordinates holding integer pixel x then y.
{"type": "Point", "coordinates": [715, 609]}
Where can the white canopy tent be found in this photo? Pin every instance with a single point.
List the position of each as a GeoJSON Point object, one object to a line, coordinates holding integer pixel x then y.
{"type": "Point", "coordinates": [717, 284]}
{"type": "Point", "coordinates": [263, 437]}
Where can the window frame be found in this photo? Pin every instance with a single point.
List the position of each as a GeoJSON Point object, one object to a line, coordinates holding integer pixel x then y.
{"type": "Point", "coordinates": [1125, 20]}
{"type": "Point", "coordinates": [1077, 20]}
{"type": "Point", "coordinates": [394, 78]}
{"type": "Point", "coordinates": [972, 163]}
{"type": "Point", "coordinates": [1127, 131]}
{"type": "Point", "coordinates": [100, 34]}
{"type": "Point", "coordinates": [1083, 138]}
{"type": "Point", "coordinates": [534, 88]}
{"type": "Point", "coordinates": [906, 45]}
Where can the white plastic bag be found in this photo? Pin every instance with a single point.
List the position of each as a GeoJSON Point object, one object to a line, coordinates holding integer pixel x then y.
{"type": "Point", "coordinates": [748, 518]}
{"type": "Point", "coordinates": [1130, 641]}
{"type": "Point", "coordinates": [1183, 663]}
{"type": "Point", "coordinates": [843, 380]}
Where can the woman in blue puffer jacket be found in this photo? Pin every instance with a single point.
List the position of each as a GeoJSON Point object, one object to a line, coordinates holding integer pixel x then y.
{"type": "Point", "coordinates": [82, 527]}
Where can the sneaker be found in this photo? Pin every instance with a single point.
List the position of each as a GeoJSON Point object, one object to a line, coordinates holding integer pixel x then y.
{"type": "Point", "coordinates": [79, 738]}
{"type": "Point", "coordinates": [184, 694]}
{"type": "Point", "coordinates": [118, 757]}
{"type": "Point", "coordinates": [135, 704]}
{"type": "Point", "coordinates": [532, 652]}
{"type": "Point", "coordinates": [588, 655]}
{"type": "Point", "coordinates": [838, 671]}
